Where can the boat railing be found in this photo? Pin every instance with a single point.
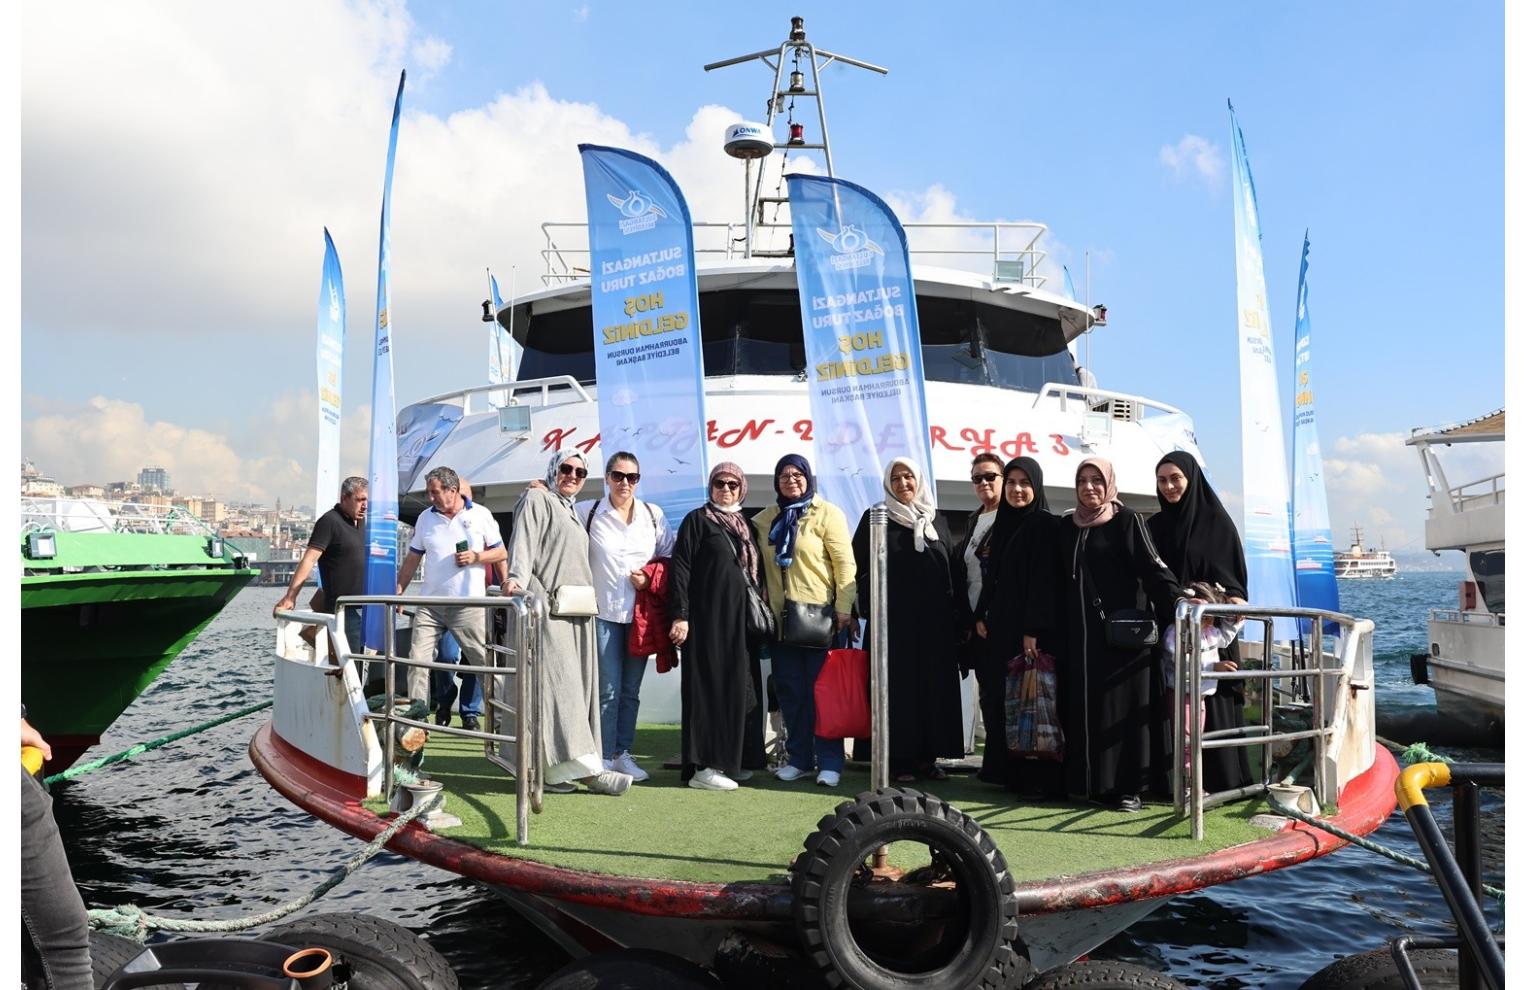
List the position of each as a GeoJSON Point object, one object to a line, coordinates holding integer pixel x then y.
{"type": "Point", "coordinates": [1478, 494]}
{"type": "Point", "coordinates": [1332, 681]}
{"type": "Point", "coordinates": [511, 682]}
{"type": "Point", "coordinates": [530, 392]}
{"type": "Point", "coordinates": [1006, 251]}
{"type": "Point", "coordinates": [92, 516]}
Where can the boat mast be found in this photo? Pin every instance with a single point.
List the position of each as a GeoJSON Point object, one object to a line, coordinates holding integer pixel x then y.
{"type": "Point", "coordinates": [798, 49]}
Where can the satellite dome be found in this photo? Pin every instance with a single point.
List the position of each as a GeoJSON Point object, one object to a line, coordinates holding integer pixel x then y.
{"type": "Point", "coordinates": [746, 139]}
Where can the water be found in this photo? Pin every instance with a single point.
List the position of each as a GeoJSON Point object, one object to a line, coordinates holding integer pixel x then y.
{"type": "Point", "coordinates": [193, 830]}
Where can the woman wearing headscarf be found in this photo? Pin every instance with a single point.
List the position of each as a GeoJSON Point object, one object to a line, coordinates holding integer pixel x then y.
{"type": "Point", "coordinates": [923, 674]}
{"type": "Point", "coordinates": [1111, 566]}
{"type": "Point", "coordinates": [716, 559]}
{"type": "Point", "coordinates": [1198, 540]}
{"type": "Point", "coordinates": [808, 563]}
{"type": "Point", "coordinates": [549, 552]}
{"type": "Point", "coordinates": [1017, 611]}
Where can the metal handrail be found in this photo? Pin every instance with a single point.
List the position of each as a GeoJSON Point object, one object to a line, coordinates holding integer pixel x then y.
{"type": "Point", "coordinates": [529, 611]}
{"type": "Point", "coordinates": [1189, 745]}
{"type": "Point", "coordinates": [1064, 390]}
{"type": "Point", "coordinates": [43, 512]}
{"type": "Point", "coordinates": [544, 385]}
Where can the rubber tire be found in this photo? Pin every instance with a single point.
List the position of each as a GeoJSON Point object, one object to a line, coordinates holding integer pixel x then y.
{"type": "Point", "coordinates": [379, 954]}
{"type": "Point", "coordinates": [631, 969]}
{"type": "Point", "coordinates": [1437, 969]}
{"type": "Point", "coordinates": [109, 953]}
{"type": "Point", "coordinates": [1104, 974]}
{"type": "Point", "coordinates": [992, 956]}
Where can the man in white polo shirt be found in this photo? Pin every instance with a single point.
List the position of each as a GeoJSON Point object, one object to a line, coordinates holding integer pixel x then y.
{"type": "Point", "coordinates": [454, 543]}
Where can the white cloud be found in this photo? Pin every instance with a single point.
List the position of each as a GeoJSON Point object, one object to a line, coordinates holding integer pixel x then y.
{"type": "Point", "coordinates": [430, 55]}
{"type": "Point", "coordinates": [581, 13]}
{"type": "Point", "coordinates": [1195, 157]}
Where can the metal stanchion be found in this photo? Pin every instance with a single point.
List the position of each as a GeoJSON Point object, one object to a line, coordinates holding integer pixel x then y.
{"type": "Point", "coordinates": [880, 746]}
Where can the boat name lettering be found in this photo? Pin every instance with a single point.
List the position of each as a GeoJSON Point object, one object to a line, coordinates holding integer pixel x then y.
{"type": "Point", "coordinates": [973, 440]}
{"type": "Point", "coordinates": [643, 260]}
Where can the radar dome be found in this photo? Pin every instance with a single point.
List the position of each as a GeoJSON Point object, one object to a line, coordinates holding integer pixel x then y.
{"type": "Point", "coordinates": [746, 139]}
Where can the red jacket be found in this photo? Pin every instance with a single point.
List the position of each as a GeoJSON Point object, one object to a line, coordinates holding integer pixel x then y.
{"type": "Point", "coordinates": [649, 618]}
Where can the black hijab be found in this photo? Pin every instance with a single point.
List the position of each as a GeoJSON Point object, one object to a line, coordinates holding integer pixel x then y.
{"type": "Point", "coordinates": [1009, 519]}
{"type": "Point", "coordinates": [1196, 537]}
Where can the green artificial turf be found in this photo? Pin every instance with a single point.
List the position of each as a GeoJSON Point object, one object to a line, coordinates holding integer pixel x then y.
{"type": "Point", "coordinates": [661, 829]}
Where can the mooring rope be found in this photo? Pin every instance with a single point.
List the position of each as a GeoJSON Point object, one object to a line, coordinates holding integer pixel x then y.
{"type": "Point", "coordinates": [133, 922]}
{"type": "Point", "coordinates": [144, 747]}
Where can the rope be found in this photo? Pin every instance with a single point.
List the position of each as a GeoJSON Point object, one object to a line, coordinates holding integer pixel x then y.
{"type": "Point", "coordinates": [140, 748]}
{"type": "Point", "coordinates": [1374, 847]}
{"type": "Point", "coordinates": [1418, 752]}
{"type": "Point", "coordinates": [133, 922]}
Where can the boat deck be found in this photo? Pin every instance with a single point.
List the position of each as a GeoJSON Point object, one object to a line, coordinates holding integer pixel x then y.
{"type": "Point", "coordinates": [663, 830]}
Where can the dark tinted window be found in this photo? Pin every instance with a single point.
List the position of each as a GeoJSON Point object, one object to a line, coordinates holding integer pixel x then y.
{"type": "Point", "coordinates": [1489, 568]}
{"type": "Point", "coordinates": [560, 343]}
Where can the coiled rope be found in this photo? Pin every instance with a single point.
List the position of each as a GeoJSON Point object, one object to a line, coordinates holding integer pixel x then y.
{"type": "Point", "coordinates": [133, 922]}
{"type": "Point", "coordinates": [144, 747]}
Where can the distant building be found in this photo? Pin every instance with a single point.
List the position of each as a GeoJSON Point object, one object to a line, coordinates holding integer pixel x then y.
{"type": "Point", "coordinates": [85, 491]}
{"type": "Point", "coordinates": [161, 501]}
{"type": "Point", "coordinates": [189, 504]}
{"type": "Point", "coordinates": [214, 511]}
{"type": "Point", "coordinates": [154, 479]}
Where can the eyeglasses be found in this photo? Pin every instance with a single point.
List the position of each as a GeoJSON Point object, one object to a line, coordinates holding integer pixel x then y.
{"type": "Point", "coordinates": [986, 478]}
{"type": "Point", "coordinates": [792, 476]}
{"type": "Point", "coordinates": [731, 486]}
{"type": "Point", "coordinates": [630, 477]}
{"type": "Point", "coordinates": [577, 472]}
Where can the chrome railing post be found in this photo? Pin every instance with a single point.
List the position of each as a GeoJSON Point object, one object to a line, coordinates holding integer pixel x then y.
{"type": "Point", "coordinates": [1179, 750]}
{"type": "Point", "coordinates": [522, 758]}
{"type": "Point", "coordinates": [880, 745]}
{"type": "Point", "coordinates": [388, 674]}
{"type": "Point", "coordinates": [1189, 647]}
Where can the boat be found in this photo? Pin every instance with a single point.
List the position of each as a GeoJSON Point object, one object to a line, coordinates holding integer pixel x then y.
{"type": "Point", "coordinates": [1357, 562]}
{"type": "Point", "coordinates": [111, 593]}
{"type": "Point", "coordinates": [1465, 660]}
{"type": "Point", "coordinates": [698, 875]}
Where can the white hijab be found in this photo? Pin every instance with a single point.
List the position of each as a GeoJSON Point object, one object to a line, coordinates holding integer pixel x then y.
{"type": "Point", "coordinates": [917, 515]}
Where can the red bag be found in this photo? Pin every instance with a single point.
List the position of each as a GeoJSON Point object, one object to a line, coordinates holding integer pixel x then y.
{"type": "Point", "coordinates": [842, 695]}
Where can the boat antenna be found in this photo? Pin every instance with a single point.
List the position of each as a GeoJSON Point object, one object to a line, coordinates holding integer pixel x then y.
{"type": "Point", "coordinates": [788, 89]}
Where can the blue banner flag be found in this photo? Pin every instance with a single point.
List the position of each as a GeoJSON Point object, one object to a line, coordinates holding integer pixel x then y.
{"type": "Point", "coordinates": [503, 351]}
{"type": "Point", "coordinates": [331, 354]}
{"type": "Point", "coordinates": [382, 503]}
{"type": "Point", "coordinates": [1265, 475]}
{"type": "Point", "coordinates": [1315, 574]}
{"type": "Point", "coordinates": [646, 306]}
{"type": "Point", "coordinates": [864, 356]}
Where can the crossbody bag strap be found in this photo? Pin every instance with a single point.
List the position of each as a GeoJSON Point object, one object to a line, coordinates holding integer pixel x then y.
{"type": "Point", "coordinates": [1087, 579]}
{"type": "Point", "coordinates": [589, 519]}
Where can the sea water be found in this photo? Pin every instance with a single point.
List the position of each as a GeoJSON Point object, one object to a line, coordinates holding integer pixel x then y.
{"type": "Point", "coordinates": [192, 830]}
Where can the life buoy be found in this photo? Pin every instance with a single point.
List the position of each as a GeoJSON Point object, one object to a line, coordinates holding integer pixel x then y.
{"type": "Point", "coordinates": [980, 947]}
{"type": "Point", "coordinates": [631, 969]}
{"type": "Point", "coordinates": [1102, 974]}
{"type": "Point", "coordinates": [369, 953]}
{"type": "Point", "coordinates": [1437, 969]}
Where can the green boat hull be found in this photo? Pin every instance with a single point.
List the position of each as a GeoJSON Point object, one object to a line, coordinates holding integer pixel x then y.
{"type": "Point", "coordinates": [103, 618]}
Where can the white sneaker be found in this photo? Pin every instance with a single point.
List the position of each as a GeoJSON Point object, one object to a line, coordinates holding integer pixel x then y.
{"type": "Point", "coordinates": [609, 764]}
{"type": "Point", "coordinates": [828, 778]}
{"type": "Point", "coordinates": [625, 764]}
{"type": "Point", "coordinates": [566, 787]}
{"type": "Point", "coordinates": [712, 780]}
{"type": "Point", "coordinates": [743, 776]}
{"type": "Point", "coordinates": [789, 773]}
{"type": "Point", "coordinates": [610, 782]}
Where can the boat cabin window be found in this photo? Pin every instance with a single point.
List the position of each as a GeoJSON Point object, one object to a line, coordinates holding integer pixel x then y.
{"type": "Point", "coordinates": [1489, 568]}
{"type": "Point", "coordinates": [758, 332]}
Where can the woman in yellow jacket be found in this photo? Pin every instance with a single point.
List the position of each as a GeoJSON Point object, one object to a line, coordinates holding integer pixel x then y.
{"type": "Point", "coordinates": [811, 589]}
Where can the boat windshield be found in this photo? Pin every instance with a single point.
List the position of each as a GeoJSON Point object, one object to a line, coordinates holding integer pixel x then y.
{"type": "Point", "coordinates": [758, 332]}
{"type": "Point", "coordinates": [1489, 568]}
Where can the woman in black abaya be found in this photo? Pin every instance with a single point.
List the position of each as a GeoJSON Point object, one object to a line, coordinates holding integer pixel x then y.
{"type": "Point", "coordinates": [1198, 540]}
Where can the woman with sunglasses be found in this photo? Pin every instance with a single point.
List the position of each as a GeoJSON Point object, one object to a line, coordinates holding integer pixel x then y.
{"type": "Point", "coordinates": [810, 573]}
{"type": "Point", "coordinates": [973, 571]}
{"type": "Point", "coordinates": [625, 534]}
{"type": "Point", "coordinates": [548, 552]}
{"type": "Point", "coordinates": [716, 560]}
{"type": "Point", "coordinates": [923, 675]}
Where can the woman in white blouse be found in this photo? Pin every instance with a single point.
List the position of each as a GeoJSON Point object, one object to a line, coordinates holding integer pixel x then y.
{"type": "Point", "coordinates": [624, 534]}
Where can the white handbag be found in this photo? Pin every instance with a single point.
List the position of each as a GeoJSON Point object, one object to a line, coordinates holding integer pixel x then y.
{"type": "Point", "coordinates": [574, 600]}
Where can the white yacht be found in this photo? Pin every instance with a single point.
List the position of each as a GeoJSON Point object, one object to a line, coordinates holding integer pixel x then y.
{"type": "Point", "coordinates": [1465, 660]}
{"type": "Point", "coordinates": [1356, 562]}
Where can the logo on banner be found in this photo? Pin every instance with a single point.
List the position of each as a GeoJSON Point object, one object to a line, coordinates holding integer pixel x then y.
{"type": "Point", "coordinates": [852, 248]}
{"type": "Point", "coordinates": [334, 303]}
{"type": "Point", "coordinates": [639, 210]}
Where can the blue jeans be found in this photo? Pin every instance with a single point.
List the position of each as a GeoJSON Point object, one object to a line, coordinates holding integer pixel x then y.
{"type": "Point", "coordinates": [620, 687]}
{"type": "Point", "coordinates": [443, 682]}
{"type": "Point", "coordinates": [796, 669]}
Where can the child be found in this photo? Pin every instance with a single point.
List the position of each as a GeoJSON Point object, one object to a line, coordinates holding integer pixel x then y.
{"type": "Point", "coordinates": [1215, 633]}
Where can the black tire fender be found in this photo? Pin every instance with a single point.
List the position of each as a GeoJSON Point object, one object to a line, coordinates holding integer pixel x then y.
{"type": "Point", "coordinates": [1103, 974]}
{"type": "Point", "coordinates": [109, 953]}
{"type": "Point", "coordinates": [1437, 969]}
{"type": "Point", "coordinates": [631, 969]}
{"type": "Point", "coordinates": [988, 955]}
{"type": "Point", "coordinates": [370, 953]}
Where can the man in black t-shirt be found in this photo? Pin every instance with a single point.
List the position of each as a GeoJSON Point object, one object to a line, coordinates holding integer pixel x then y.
{"type": "Point", "coordinates": [338, 546]}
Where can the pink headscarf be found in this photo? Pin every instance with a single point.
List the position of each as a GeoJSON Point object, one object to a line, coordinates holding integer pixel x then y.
{"type": "Point", "coordinates": [731, 519]}
{"type": "Point", "coordinates": [1084, 518]}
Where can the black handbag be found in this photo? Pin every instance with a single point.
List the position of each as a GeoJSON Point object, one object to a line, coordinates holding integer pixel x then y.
{"type": "Point", "coordinates": [806, 625]}
{"type": "Point", "coordinates": [758, 618]}
{"type": "Point", "coordinates": [1124, 628]}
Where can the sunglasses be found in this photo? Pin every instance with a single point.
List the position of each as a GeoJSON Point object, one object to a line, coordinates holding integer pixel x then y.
{"type": "Point", "coordinates": [577, 472]}
{"type": "Point", "coordinates": [731, 486]}
{"type": "Point", "coordinates": [631, 477]}
{"type": "Point", "coordinates": [985, 478]}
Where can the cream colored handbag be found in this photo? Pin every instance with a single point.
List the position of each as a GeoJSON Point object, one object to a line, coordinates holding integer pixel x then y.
{"type": "Point", "coordinates": [574, 600]}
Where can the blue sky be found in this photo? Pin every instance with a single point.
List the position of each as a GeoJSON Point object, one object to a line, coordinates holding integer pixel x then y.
{"type": "Point", "coordinates": [177, 167]}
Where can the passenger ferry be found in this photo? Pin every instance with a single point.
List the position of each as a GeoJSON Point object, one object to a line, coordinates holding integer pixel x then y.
{"type": "Point", "coordinates": [1356, 562]}
{"type": "Point", "coordinates": [1466, 653]}
{"type": "Point", "coordinates": [974, 888]}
